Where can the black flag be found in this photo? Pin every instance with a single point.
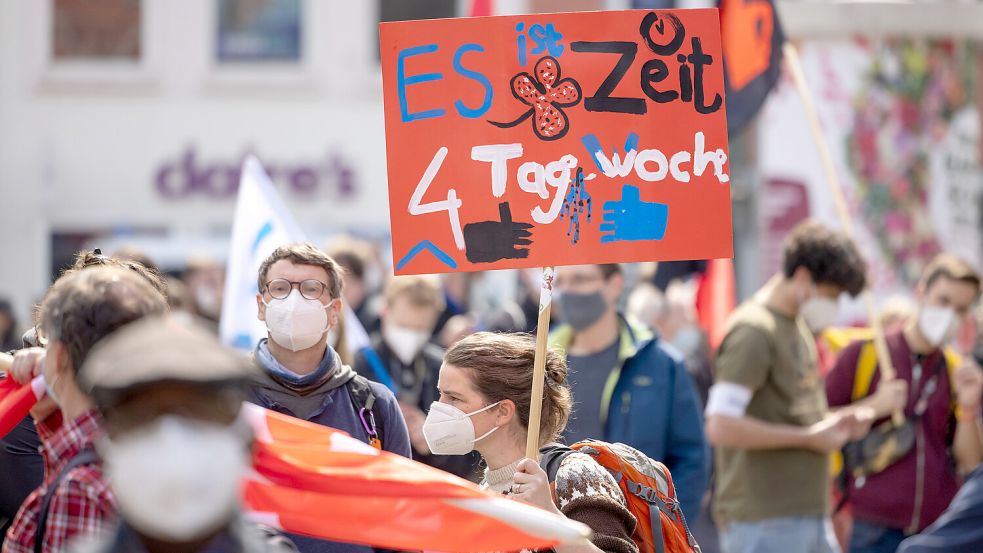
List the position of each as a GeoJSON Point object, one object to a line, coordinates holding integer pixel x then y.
{"type": "Point", "coordinates": [752, 43]}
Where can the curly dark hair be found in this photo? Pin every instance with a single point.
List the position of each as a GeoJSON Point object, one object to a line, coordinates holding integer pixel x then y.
{"type": "Point", "coordinates": [829, 256]}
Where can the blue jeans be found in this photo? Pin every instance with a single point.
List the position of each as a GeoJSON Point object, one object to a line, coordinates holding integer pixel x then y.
{"type": "Point", "coordinates": [874, 538]}
{"type": "Point", "coordinates": [807, 534]}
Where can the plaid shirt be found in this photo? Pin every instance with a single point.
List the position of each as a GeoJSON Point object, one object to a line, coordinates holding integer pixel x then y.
{"type": "Point", "coordinates": [82, 504]}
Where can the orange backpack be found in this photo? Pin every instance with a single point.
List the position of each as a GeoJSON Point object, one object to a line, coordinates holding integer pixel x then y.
{"type": "Point", "coordinates": [648, 489]}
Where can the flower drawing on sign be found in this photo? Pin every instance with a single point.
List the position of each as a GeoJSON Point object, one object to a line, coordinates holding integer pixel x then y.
{"type": "Point", "coordinates": [546, 94]}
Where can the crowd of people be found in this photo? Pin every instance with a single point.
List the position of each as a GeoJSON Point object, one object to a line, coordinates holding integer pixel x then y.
{"type": "Point", "coordinates": [786, 427]}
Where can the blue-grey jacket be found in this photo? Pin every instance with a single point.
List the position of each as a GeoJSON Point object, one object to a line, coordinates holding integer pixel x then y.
{"type": "Point", "coordinates": [649, 403]}
{"type": "Point", "coordinates": [960, 528]}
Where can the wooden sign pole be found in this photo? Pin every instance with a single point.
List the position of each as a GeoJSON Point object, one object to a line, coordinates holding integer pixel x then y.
{"type": "Point", "coordinates": [880, 344]}
{"type": "Point", "coordinates": [539, 365]}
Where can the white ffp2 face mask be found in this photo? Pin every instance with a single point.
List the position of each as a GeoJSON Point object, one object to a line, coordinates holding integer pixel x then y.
{"type": "Point", "coordinates": [819, 313]}
{"type": "Point", "coordinates": [296, 322]}
{"type": "Point", "coordinates": [406, 343]}
{"type": "Point", "coordinates": [937, 324]}
{"type": "Point", "coordinates": [177, 480]}
{"type": "Point", "coordinates": [449, 431]}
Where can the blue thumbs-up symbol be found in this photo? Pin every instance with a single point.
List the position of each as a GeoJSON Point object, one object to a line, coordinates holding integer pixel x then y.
{"type": "Point", "coordinates": [630, 219]}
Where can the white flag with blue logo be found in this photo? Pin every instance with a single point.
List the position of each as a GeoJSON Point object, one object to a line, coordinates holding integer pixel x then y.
{"type": "Point", "coordinates": [262, 224]}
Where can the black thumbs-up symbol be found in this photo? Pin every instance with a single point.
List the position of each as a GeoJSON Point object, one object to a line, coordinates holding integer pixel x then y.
{"type": "Point", "coordinates": [489, 241]}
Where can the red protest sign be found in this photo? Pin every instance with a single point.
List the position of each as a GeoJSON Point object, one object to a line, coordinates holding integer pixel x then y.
{"type": "Point", "coordinates": [556, 139]}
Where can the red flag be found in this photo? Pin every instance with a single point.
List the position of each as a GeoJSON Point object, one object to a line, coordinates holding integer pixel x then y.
{"type": "Point", "coordinates": [716, 298]}
{"type": "Point", "coordinates": [16, 399]}
{"type": "Point", "coordinates": [319, 482]}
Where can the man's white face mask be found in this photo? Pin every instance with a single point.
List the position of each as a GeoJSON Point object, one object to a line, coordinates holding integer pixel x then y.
{"type": "Point", "coordinates": [296, 322]}
{"type": "Point", "coordinates": [938, 324]}
{"type": "Point", "coordinates": [820, 313]}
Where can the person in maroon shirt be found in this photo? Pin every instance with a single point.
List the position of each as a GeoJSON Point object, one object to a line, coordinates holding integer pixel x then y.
{"type": "Point", "coordinates": [910, 494]}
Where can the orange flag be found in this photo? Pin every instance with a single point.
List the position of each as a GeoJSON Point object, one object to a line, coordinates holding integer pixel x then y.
{"type": "Point", "coordinates": [319, 482]}
{"type": "Point", "coordinates": [316, 481]}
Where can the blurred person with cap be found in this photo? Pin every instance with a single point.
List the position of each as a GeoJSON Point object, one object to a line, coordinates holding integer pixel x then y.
{"type": "Point", "coordinates": [80, 309]}
{"type": "Point", "coordinates": [301, 376]}
{"type": "Point", "coordinates": [404, 358]}
{"type": "Point", "coordinates": [175, 448]}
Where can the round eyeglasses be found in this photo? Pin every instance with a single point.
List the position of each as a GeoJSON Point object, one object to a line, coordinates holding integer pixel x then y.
{"type": "Point", "coordinates": [312, 289]}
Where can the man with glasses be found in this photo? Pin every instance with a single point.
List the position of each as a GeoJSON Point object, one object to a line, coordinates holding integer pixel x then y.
{"type": "Point", "coordinates": [299, 299]}
{"type": "Point", "coordinates": [627, 385]}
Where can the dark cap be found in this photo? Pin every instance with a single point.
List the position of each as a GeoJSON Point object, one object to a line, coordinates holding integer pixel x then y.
{"type": "Point", "coordinates": [159, 349]}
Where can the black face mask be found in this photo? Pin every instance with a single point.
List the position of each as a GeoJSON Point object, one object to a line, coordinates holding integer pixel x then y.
{"type": "Point", "coordinates": [582, 310]}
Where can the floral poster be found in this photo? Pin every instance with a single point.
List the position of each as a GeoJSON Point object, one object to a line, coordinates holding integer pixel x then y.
{"type": "Point", "coordinates": [903, 121]}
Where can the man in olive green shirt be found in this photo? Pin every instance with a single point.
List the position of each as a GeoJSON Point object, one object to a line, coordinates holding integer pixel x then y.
{"type": "Point", "coordinates": [767, 414]}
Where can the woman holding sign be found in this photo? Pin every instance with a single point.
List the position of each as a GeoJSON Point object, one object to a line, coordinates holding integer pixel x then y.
{"type": "Point", "coordinates": [485, 388]}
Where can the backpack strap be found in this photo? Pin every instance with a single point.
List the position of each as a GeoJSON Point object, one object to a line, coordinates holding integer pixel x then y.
{"type": "Point", "coordinates": [656, 507]}
{"type": "Point", "coordinates": [85, 457]}
{"type": "Point", "coordinates": [952, 362]}
{"type": "Point", "coordinates": [867, 365]}
{"type": "Point", "coordinates": [864, 375]}
{"type": "Point", "coordinates": [550, 458]}
{"type": "Point", "coordinates": [368, 409]}
{"type": "Point", "coordinates": [382, 375]}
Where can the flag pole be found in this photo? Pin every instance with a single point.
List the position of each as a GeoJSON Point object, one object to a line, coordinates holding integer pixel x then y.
{"type": "Point", "coordinates": [539, 365]}
{"type": "Point", "coordinates": [839, 200]}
